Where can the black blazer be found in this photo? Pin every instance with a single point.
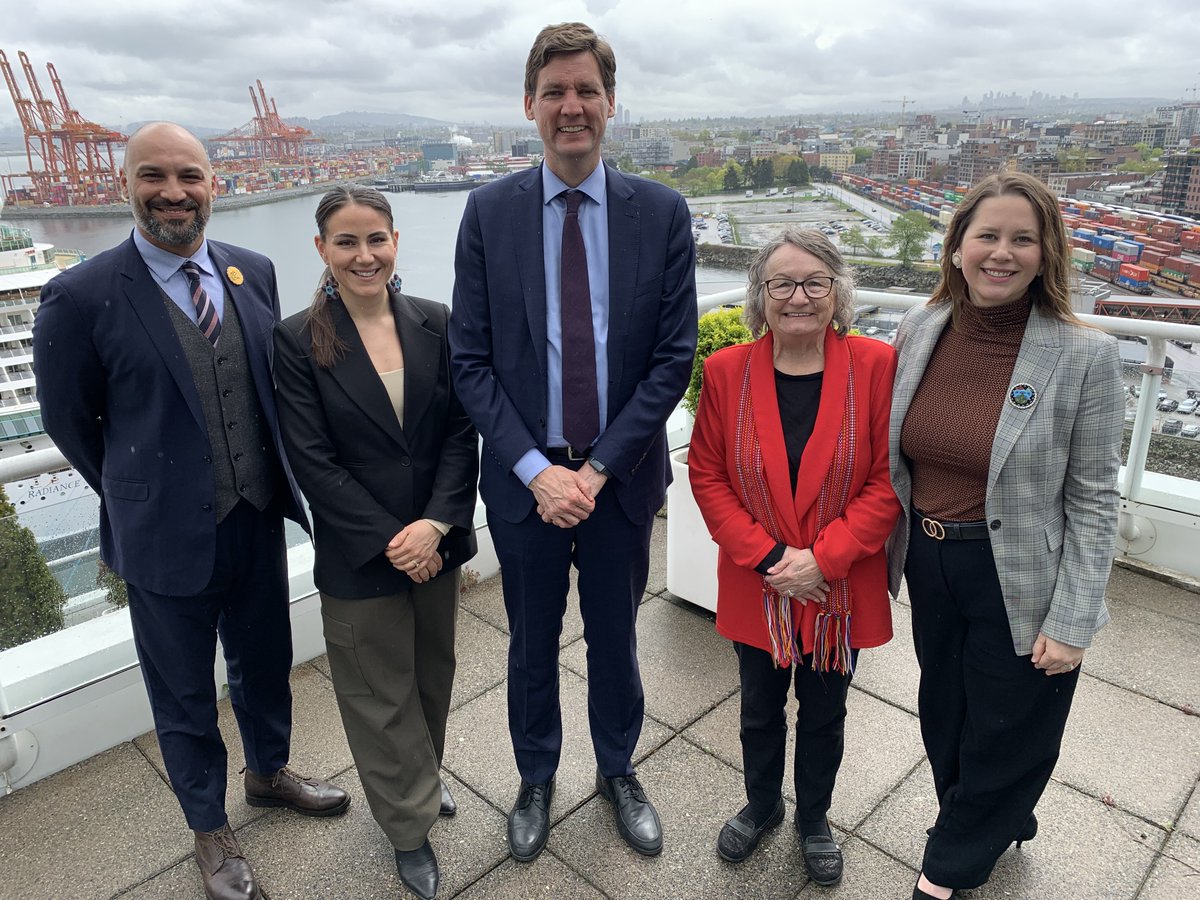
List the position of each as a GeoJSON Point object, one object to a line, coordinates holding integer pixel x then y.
{"type": "Point", "coordinates": [364, 475]}
{"type": "Point", "coordinates": [119, 400]}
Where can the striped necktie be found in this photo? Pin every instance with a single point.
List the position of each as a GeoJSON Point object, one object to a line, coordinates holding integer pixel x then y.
{"type": "Point", "coordinates": [206, 313]}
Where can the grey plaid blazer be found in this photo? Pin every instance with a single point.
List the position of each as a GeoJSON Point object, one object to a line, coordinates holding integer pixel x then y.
{"type": "Point", "coordinates": [1052, 496]}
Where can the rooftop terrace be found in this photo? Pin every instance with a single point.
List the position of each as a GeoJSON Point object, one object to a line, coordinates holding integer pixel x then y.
{"type": "Point", "coordinates": [1120, 819]}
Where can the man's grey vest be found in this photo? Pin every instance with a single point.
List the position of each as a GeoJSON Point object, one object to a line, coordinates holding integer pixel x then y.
{"type": "Point", "coordinates": [243, 458]}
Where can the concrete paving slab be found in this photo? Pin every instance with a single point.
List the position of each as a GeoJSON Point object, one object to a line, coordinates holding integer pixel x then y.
{"type": "Point", "coordinates": [869, 875]}
{"type": "Point", "coordinates": [486, 600]}
{"type": "Point", "coordinates": [102, 825]}
{"type": "Point", "coordinates": [321, 664]}
{"type": "Point", "coordinates": [180, 882]}
{"type": "Point", "coordinates": [694, 793]}
{"type": "Point", "coordinates": [1142, 754]}
{"type": "Point", "coordinates": [657, 582]}
{"type": "Point", "coordinates": [479, 748]}
{"type": "Point", "coordinates": [546, 877]}
{"type": "Point", "coordinates": [481, 651]}
{"type": "Point", "coordinates": [687, 668]}
{"type": "Point", "coordinates": [1128, 586]}
{"type": "Point", "coordinates": [1130, 651]}
{"type": "Point", "coordinates": [1189, 822]}
{"type": "Point", "coordinates": [883, 744]}
{"type": "Point", "coordinates": [1100, 851]}
{"type": "Point", "coordinates": [319, 747]}
{"type": "Point", "coordinates": [348, 857]}
{"type": "Point", "coordinates": [1176, 874]}
{"type": "Point", "coordinates": [891, 672]}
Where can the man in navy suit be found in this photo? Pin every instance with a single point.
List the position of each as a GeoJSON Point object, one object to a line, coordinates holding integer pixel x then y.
{"type": "Point", "coordinates": [154, 380]}
{"type": "Point", "coordinates": [572, 412]}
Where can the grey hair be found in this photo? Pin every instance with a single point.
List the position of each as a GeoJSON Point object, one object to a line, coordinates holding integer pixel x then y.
{"type": "Point", "coordinates": [813, 242]}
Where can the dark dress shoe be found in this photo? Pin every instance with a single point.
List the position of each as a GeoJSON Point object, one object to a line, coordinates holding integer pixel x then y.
{"type": "Point", "coordinates": [418, 870]}
{"type": "Point", "coordinates": [822, 858]}
{"type": "Point", "coordinates": [226, 874]}
{"type": "Point", "coordinates": [741, 834]}
{"type": "Point", "coordinates": [529, 821]}
{"type": "Point", "coordinates": [1028, 832]}
{"type": "Point", "coordinates": [307, 796]}
{"type": "Point", "coordinates": [637, 820]}
{"type": "Point", "coordinates": [448, 807]}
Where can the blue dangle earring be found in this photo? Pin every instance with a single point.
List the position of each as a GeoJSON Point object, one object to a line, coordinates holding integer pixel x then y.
{"type": "Point", "coordinates": [331, 289]}
{"type": "Point", "coordinates": [394, 283]}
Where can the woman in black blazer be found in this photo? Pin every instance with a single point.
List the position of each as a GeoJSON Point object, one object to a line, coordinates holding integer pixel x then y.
{"type": "Point", "coordinates": [387, 459]}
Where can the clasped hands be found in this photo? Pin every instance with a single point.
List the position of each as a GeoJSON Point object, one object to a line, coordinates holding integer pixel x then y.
{"type": "Point", "coordinates": [798, 575]}
{"type": "Point", "coordinates": [414, 551]}
{"type": "Point", "coordinates": [566, 497]}
{"type": "Point", "coordinates": [1055, 657]}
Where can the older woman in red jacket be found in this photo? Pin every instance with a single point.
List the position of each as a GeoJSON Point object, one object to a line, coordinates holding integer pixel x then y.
{"type": "Point", "coordinates": [789, 464]}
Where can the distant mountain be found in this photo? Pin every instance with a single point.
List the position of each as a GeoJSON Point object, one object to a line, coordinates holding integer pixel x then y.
{"type": "Point", "coordinates": [350, 120]}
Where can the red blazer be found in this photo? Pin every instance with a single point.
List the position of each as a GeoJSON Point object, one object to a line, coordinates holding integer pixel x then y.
{"type": "Point", "coordinates": [850, 547]}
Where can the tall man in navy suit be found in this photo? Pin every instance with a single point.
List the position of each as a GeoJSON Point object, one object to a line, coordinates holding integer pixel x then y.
{"type": "Point", "coordinates": [154, 380]}
{"type": "Point", "coordinates": [571, 401]}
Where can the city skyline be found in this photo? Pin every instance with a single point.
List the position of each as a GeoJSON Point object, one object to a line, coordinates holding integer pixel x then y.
{"type": "Point", "coordinates": [121, 62]}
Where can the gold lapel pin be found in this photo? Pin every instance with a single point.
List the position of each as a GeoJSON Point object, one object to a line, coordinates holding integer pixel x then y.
{"type": "Point", "coordinates": [234, 274]}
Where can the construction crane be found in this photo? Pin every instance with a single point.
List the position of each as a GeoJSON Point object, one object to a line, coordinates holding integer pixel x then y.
{"type": "Point", "coordinates": [267, 136]}
{"type": "Point", "coordinates": [905, 102]}
{"type": "Point", "coordinates": [71, 160]}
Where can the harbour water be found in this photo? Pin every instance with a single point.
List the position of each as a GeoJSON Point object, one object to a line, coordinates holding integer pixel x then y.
{"type": "Point", "coordinates": [428, 226]}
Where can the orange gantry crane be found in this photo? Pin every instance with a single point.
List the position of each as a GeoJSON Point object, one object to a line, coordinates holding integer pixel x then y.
{"type": "Point", "coordinates": [267, 136]}
{"type": "Point", "coordinates": [72, 161]}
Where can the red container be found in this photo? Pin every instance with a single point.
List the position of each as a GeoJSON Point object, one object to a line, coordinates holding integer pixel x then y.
{"type": "Point", "coordinates": [1137, 273]}
{"type": "Point", "coordinates": [1190, 240]}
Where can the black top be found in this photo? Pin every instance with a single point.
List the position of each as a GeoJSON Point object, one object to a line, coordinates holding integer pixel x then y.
{"type": "Point", "coordinates": [799, 397]}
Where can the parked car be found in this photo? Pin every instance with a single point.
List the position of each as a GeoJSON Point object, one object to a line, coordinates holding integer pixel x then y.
{"type": "Point", "coordinates": [1168, 405]}
{"type": "Point", "coordinates": [1172, 426]}
{"type": "Point", "coordinates": [1130, 416]}
{"type": "Point", "coordinates": [1190, 431]}
{"type": "Point", "coordinates": [1188, 407]}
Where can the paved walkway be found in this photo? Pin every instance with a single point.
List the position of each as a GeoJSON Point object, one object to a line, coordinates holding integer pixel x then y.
{"type": "Point", "coordinates": [1121, 819]}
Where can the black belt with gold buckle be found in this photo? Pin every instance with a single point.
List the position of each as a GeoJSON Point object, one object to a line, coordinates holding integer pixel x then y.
{"type": "Point", "coordinates": [952, 531]}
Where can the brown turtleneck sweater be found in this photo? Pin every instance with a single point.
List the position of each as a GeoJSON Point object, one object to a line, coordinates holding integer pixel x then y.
{"type": "Point", "coordinates": [951, 423]}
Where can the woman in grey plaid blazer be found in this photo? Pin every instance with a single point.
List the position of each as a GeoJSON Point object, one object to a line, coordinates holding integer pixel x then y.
{"type": "Point", "coordinates": [1005, 444]}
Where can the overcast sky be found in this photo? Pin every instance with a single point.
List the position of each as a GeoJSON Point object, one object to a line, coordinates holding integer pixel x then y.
{"type": "Point", "coordinates": [132, 60]}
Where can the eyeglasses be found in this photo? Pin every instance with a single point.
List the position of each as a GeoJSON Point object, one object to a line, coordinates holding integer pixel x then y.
{"type": "Point", "coordinates": [815, 288]}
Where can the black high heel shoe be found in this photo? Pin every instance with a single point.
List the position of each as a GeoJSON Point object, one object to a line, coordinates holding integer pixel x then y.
{"type": "Point", "coordinates": [1029, 832]}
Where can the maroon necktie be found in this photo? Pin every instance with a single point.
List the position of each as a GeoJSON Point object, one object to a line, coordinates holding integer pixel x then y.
{"type": "Point", "coordinates": [206, 313]}
{"type": "Point", "coordinates": [581, 408]}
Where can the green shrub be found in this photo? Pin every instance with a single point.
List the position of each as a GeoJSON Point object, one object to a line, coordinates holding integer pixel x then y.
{"type": "Point", "coordinates": [31, 600]}
{"type": "Point", "coordinates": [718, 328]}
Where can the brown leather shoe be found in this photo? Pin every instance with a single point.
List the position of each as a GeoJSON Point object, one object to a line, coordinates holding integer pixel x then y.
{"type": "Point", "coordinates": [307, 796]}
{"type": "Point", "coordinates": [226, 874]}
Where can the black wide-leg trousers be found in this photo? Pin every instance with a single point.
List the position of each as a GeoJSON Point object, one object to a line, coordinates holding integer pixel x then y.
{"type": "Point", "coordinates": [992, 723]}
{"type": "Point", "coordinates": [820, 732]}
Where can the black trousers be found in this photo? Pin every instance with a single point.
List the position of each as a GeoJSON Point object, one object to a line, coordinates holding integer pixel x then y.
{"type": "Point", "coordinates": [246, 603]}
{"type": "Point", "coordinates": [612, 555]}
{"type": "Point", "coordinates": [992, 723]}
{"type": "Point", "coordinates": [820, 732]}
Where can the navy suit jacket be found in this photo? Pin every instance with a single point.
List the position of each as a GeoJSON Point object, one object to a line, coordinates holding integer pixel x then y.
{"type": "Point", "coordinates": [498, 334]}
{"type": "Point", "coordinates": [119, 400]}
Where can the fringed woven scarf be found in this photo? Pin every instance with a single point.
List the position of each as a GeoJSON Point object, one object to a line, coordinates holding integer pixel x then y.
{"type": "Point", "coordinates": [831, 647]}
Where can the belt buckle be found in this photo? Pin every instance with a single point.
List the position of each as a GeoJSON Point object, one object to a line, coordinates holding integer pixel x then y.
{"type": "Point", "coordinates": [573, 456]}
{"type": "Point", "coordinates": [933, 528]}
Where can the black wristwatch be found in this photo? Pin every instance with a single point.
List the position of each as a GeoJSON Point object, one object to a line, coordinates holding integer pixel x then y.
{"type": "Point", "coordinates": [598, 466]}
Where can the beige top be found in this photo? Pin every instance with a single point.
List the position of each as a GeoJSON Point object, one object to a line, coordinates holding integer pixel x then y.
{"type": "Point", "coordinates": [393, 382]}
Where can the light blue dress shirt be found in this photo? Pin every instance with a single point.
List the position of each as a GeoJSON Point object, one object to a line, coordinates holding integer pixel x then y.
{"type": "Point", "coordinates": [164, 268]}
{"type": "Point", "coordinates": [593, 222]}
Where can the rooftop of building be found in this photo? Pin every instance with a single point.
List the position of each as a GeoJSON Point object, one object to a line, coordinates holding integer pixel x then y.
{"type": "Point", "coordinates": [1120, 818]}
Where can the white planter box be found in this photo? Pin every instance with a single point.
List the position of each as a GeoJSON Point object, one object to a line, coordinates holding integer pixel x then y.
{"type": "Point", "coordinates": [691, 553]}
